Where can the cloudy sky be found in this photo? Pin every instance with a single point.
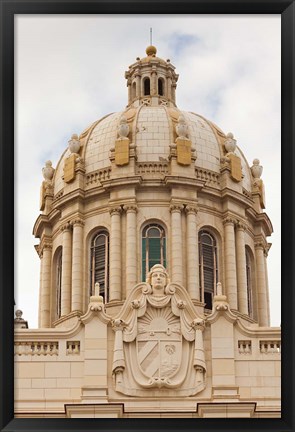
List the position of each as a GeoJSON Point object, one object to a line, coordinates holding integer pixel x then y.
{"type": "Point", "coordinates": [70, 72]}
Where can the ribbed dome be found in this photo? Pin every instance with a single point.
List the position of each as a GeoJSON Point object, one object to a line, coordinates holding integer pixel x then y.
{"type": "Point", "coordinates": [152, 131]}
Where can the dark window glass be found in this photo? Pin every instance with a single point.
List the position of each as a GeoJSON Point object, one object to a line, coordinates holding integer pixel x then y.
{"type": "Point", "coordinates": [147, 87]}
{"type": "Point", "coordinates": [153, 248]}
{"type": "Point", "coordinates": [99, 269]}
{"type": "Point", "coordinates": [208, 271]}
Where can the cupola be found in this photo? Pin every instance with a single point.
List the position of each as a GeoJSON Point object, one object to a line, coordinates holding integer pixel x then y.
{"type": "Point", "coordinates": [151, 81]}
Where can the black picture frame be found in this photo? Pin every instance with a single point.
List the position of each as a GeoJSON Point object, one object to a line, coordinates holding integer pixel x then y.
{"type": "Point", "coordinates": [7, 11]}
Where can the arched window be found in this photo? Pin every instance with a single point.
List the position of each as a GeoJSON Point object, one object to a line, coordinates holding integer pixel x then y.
{"type": "Point", "coordinates": [249, 283]}
{"type": "Point", "coordinates": [160, 87]}
{"type": "Point", "coordinates": [133, 90]}
{"type": "Point", "coordinates": [99, 269]}
{"type": "Point", "coordinates": [153, 248]}
{"type": "Point", "coordinates": [146, 85]}
{"type": "Point", "coordinates": [58, 284]}
{"type": "Point", "coordinates": [208, 268]}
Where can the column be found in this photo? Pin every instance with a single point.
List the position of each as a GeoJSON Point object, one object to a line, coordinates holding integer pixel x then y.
{"type": "Point", "coordinates": [66, 269]}
{"type": "Point", "coordinates": [129, 90]}
{"type": "Point", "coordinates": [192, 258]}
{"type": "Point", "coordinates": [46, 285]}
{"type": "Point", "coordinates": [77, 265]}
{"type": "Point", "coordinates": [131, 249]}
{"type": "Point", "coordinates": [138, 85]}
{"type": "Point", "coordinates": [169, 87]}
{"type": "Point", "coordinates": [266, 283]}
{"type": "Point", "coordinates": [230, 262]}
{"type": "Point", "coordinates": [261, 285]}
{"type": "Point", "coordinates": [241, 269]}
{"type": "Point", "coordinates": [115, 254]}
{"type": "Point", "coordinates": [176, 243]}
{"type": "Point", "coordinates": [40, 252]}
{"type": "Point", "coordinates": [154, 83]}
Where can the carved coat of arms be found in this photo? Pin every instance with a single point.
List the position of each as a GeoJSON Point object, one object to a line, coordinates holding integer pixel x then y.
{"type": "Point", "coordinates": [159, 341]}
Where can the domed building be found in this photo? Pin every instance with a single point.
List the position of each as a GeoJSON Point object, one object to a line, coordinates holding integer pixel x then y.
{"type": "Point", "coordinates": [153, 283]}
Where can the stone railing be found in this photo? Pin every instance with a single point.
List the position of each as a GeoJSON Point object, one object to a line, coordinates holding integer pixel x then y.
{"type": "Point", "coordinates": [98, 176]}
{"type": "Point", "coordinates": [270, 347]}
{"type": "Point", "coordinates": [259, 347]}
{"type": "Point", "coordinates": [245, 346]}
{"type": "Point", "coordinates": [144, 168]}
{"type": "Point", "coordinates": [211, 178]}
{"type": "Point", "coordinates": [73, 347]}
{"type": "Point", "coordinates": [35, 348]}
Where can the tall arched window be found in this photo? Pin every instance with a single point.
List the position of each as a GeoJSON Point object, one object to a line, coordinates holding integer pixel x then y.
{"type": "Point", "coordinates": [58, 284]}
{"type": "Point", "coordinates": [160, 87]}
{"type": "Point", "coordinates": [146, 85]}
{"type": "Point", "coordinates": [208, 267]}
{"type": "Point", "coordinates": [249, 283]}
{"type": "Point", "coordinates": [99, 269]}
{"type": "Point", "coordinates": [153, 248]}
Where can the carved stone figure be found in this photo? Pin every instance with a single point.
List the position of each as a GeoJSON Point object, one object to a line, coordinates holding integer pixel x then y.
{"type": "Point", "coordinates": [158, 340]}
{"type": "Point", "coordinates": [123, 129]}
{"type": "Point", "coordinates": [256, 169]}
{"type": "Point", "coordinates": [181, 128]}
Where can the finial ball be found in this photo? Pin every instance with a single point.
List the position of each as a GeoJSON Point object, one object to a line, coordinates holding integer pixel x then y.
{"type": "Point", "coordinates": [151, 50]}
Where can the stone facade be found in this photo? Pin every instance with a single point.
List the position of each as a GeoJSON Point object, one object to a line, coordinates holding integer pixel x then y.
{"type": "Point", "coordinates": [151, 185]}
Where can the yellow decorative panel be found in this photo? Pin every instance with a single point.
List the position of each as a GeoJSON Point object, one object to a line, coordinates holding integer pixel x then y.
{"type": "Point", "coordinates": [69, 168]}
{"type": "Point", "coordinates": [122, 151]}
{"type": "Point", "coordinates": [235, 167]}
{"type": "Point", "coordinates": [184, 151]}
{"type": "Point", "coordinates": [42, 196]}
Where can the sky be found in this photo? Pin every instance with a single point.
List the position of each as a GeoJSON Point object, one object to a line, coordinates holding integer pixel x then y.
{"type": "Point", "coordinates": [69, 72]}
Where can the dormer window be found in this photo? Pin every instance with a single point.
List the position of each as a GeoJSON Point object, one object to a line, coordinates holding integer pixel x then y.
{"type": "Point", "coordinates": [147, 87]}
{"type": "Point", "coordinates": [160, 87]}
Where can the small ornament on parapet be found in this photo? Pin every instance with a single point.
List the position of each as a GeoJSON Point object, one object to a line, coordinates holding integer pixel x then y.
{"type": "Point", "coordinates": [74, 144]}
{"type": "Point", "coordinates": [230, 143]}
{"type": "Point", "coordinates": [19, 322]}
{"type": "Point", "coordinates": [123, 129]}
{"type": "Point", "coordinates": [181, 128]}
{"type": "Point", "coordinates": [96, 301]}
{"type": "Point", "coordinates": [48, 171]}
{"type": "Point", "coordinates": [219, 300]}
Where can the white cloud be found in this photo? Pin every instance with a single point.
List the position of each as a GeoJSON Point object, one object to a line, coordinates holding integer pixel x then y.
{"type": "Point", "coordinates": [70, 72]}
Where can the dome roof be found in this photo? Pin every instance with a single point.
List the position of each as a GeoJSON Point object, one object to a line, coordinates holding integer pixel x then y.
{"type": "Point", "coordinates": [152, 130]}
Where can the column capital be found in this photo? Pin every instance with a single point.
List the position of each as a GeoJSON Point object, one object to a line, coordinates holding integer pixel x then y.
{"type": "Point", "coordinates": [77, 222]}
{"type": "Point", "coordinates": [176, 207]}
{"type": "Point", "coordinates": [240, 225]}
{"type": "Point", "coordinates": [229, 220]}
{"type": "Point", "coordinates": [115, 210]}
{"type": "Point", "coordinates": [260, 245]}
{"type": "Point", "coordinates": [66, 227]}
{"type": "Point", "coordinates": [130, 208]}
{"type": "Point", "coordinates": [189, 209]}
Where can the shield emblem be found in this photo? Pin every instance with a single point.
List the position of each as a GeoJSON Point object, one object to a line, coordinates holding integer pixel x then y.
{"type": "Point", "coordinates": [159, 349]}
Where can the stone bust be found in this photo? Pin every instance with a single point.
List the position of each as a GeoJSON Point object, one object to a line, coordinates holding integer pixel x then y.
{"type": "Point", "coordinates": [158, 279]}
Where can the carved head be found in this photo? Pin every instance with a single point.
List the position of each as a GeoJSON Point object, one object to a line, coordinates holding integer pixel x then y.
{"type": "Point", "coordinates": [158, 279]}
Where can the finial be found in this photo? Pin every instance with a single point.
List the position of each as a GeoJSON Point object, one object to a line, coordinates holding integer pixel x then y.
{"type": "Point", "coordinates": [256, 169]}
{"type": "Point", "coordinates": [48, 171]}
{"type": "Point", "coordinates": [151, 51]}
{"type": "Point", "coordinates": [74, 144]}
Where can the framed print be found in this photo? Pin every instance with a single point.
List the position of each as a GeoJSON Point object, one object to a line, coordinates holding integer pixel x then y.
{"type": "Point", "coordinates": [147, 170]}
